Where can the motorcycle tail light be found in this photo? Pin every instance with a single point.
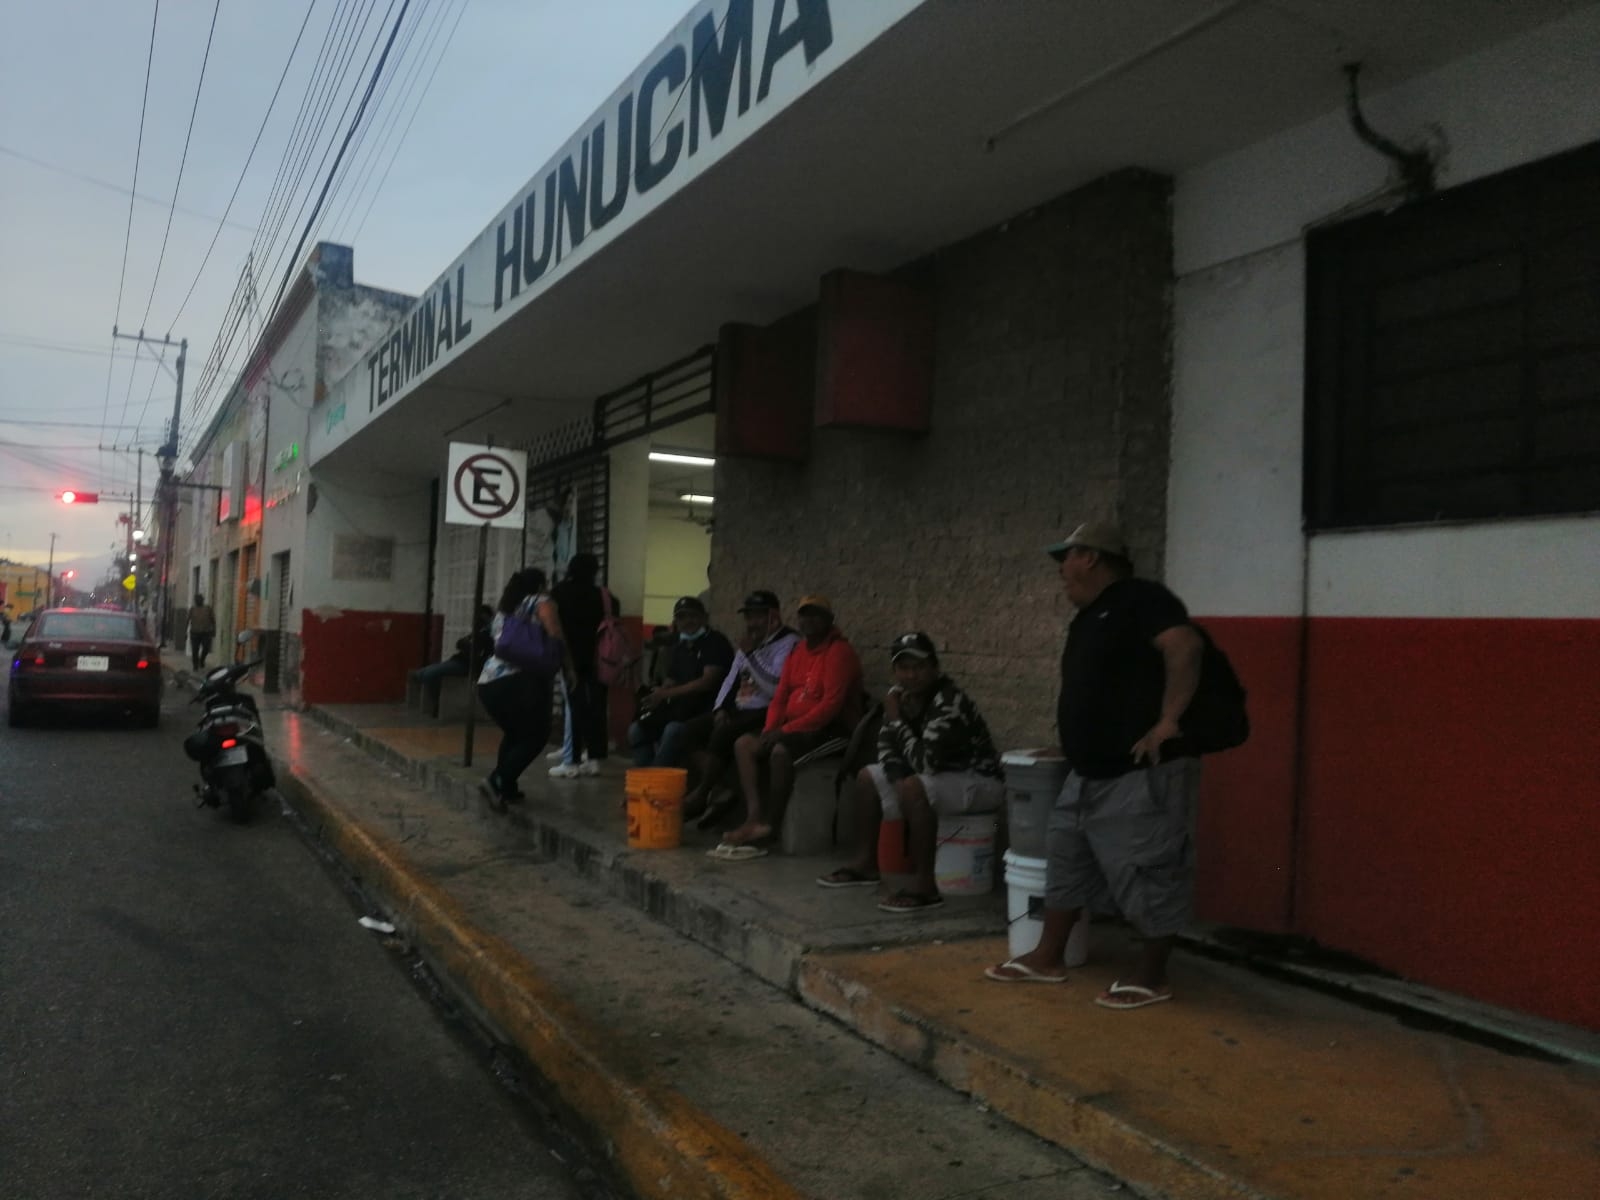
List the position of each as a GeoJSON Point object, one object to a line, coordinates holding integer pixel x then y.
{"type": "Point", "coordinates": [229, 743]}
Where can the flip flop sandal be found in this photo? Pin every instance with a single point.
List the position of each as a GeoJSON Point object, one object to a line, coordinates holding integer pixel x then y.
{"type": "Point", "coordinates": [846, 877]}
{"type": "Point", "coordinates": [1022, 973]}
{"type": "Point", "coordinates": [1130, 995]}
{"type": "Point", "coordinates": [904, 904]}
{"type": "Point", "coordinates": [724, 852]}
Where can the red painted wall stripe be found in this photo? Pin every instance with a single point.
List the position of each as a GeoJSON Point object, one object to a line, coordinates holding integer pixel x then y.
{"type": "Point", "coordinates": [360, 657]}
{"type": "Point", "coordinates": [1450, 817]}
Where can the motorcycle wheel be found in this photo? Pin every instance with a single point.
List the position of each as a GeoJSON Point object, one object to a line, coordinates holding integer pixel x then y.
{"type": "Point", "coordinates": [235, 789]}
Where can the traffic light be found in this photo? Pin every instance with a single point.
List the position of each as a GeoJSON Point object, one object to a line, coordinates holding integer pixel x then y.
{"type": "Point", "coordinates": [71, 497]}
{"type": "Point", "coordinates": [69, 574]}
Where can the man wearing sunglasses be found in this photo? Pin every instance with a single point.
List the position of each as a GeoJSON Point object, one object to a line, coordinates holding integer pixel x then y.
{"type": "Point", "coordinates": [935, 758]}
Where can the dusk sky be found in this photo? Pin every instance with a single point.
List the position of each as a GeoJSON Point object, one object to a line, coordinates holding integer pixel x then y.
{"type": "Point", "coordinates": [511, 81]}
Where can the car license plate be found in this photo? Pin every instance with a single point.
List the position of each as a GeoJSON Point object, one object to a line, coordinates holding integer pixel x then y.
{"type": "Point", "coordinates": [93, 662]}
{"type": "Point", "coordinates": [232, 757]}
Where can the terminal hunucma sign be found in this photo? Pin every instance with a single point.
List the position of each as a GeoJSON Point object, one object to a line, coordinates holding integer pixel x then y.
{"type": "Point", "coordinates": [725, 70]}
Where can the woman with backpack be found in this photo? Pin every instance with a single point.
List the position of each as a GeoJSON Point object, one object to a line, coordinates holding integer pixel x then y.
{"type": "Point", "coordinates": [590, 615]}
{"type": "Point", "coordinates": [517, 681]}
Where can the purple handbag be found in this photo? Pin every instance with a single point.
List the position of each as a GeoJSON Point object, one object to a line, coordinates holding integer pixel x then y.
{"type": "Point", "coordinates": [525, 644]}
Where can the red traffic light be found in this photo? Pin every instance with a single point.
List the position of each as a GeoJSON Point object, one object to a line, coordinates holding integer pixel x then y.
{"type": "Point", "coordinates": [71, 497]}
{"type": "Point", "coordinates": [69, 574]}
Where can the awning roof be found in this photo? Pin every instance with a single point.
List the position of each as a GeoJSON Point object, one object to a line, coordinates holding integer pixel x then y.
{"type": "Point", "coordinates": [938, 126]}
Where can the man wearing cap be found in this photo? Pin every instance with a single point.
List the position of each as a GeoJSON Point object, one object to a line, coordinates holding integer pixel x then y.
{"type": "Point", "coordinates": [818, 697]}
{"type": "Point", "coordinates": [741, 706]}
{"type": "Point", "coordinates": [935, 758]}
{"type": "Point", "coordinates": [700, 658]}
{"type": "Point", "coordinates": [1122, 822]}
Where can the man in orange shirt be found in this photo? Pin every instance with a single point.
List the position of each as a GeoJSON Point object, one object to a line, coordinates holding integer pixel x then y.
{"type": "Point", "coordinates": [818, 698]}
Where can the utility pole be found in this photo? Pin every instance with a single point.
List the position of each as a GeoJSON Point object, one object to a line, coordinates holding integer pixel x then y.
{"type": "Point", "coordinates": [166, 493]}
{"type": "Point", "coordinates": [50, 576]}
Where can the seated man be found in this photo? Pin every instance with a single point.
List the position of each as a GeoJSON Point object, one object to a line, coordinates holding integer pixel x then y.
{"type": "Point", "coordinates": [818, 698]}
{"type": "Point", "coordinates": [699, 661]}
{"type": "Point", "coordinates": [741, 706]}
{"type": "Point", "coordinates": [935, 757]}
{"type": "Point", "coordinates": [456, 664]}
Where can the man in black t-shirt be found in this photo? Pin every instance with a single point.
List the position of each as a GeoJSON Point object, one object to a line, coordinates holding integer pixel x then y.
{"type": "Point", "coordinates": [1123, 821]}
{"type": "Point", "coordinates": [699, 659]}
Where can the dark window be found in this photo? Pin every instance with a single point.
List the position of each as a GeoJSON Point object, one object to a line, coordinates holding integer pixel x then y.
{"type": "Point", "coordinates": [89, 625]}
{"type": "Point", "coordinates": [1453, 353]}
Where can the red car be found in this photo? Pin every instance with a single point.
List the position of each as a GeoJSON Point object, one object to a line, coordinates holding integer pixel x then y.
{"type": "Point", "coordinates": [86, 658]}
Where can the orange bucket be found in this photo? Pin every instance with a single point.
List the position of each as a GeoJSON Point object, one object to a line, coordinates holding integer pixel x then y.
{"type": "Point", "coordinates": [655, 807]}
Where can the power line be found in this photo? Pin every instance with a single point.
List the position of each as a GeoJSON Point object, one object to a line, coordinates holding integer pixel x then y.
{"type": "Point", "coordinates": [138, 153]}
{"type": "Point", "coordinates": [352, 202]}
{"type": "Point", "coordinates": [72, 173]}
{"type": "Point", "coordinates": [249, 158]}
{"type": "Point", "coordinates": [182, 161]}
{"type": "Point", "coordinates": [349, 133]}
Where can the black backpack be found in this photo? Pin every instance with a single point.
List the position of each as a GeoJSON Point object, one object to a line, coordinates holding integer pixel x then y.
{"type": "Point", "coordinates": [1216, 719]}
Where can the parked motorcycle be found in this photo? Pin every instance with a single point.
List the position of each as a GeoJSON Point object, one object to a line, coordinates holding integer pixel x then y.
{"type": "Point", "coordinates": [228, 744]}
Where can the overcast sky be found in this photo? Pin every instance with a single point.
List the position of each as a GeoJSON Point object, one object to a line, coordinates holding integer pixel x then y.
{"type": "Point", "coordinates": [515, 79]}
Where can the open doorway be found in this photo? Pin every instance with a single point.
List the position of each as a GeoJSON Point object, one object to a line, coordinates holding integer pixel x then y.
{"type": "Point", "coordinates": [681, 517]}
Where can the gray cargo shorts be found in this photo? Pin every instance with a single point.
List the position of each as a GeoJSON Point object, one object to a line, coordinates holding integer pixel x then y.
{"type": "Point", "coordinates": [1131, 836]}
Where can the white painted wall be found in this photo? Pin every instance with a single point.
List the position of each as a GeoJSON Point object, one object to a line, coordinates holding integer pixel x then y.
{"type": "Point", "coordinates": [400, 512]}
{"type": "Point", "coordinates": [1234, 545]}
{"type": "Point", "coordinates": [627, 555]}
{"type": "Point", "coordinates": [675, 565]}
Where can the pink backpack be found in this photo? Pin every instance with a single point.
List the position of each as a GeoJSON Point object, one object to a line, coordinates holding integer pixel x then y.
{"type": "Point", "coordinates": [615, 654]}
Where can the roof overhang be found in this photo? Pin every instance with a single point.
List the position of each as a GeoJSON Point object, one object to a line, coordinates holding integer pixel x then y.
{"type": "Point", "coordinates": [914, 123]}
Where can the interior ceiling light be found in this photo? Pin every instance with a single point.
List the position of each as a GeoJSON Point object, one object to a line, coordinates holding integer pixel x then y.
{"type": "Point", "coordinates": [691, 460]}
{"type": "Point", "coordinates": [694, 499]}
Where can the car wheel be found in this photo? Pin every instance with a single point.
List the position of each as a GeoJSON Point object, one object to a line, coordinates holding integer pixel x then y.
{"type": "Point", "coordinates": [150, 718]}
{"type": "Point", "coordinates": [16, 715]}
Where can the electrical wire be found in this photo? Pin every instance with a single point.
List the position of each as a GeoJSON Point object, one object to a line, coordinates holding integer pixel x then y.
{"type": "Point", "coordinates": [182, 162]}
{"type": "Point", "coordinates": [421, 98]}
{"type": "Point", "coordinates": [84, 177]}
{"type": "Point", "coordinates": [127, 237]}
{"type": "Point", "coordinates": [249, 158]}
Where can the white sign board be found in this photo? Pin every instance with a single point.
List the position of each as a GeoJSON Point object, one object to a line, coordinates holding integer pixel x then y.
{"type": "Point", "coordinates": [486, 486]}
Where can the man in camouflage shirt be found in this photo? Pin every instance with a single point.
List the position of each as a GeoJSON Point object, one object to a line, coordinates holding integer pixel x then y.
{"type": "Point", "coordinates": [935, 758]}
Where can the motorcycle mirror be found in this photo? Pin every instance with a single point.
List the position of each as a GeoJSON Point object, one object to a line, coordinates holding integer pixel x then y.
{"type": "Point", "coordinates": [246, 636]}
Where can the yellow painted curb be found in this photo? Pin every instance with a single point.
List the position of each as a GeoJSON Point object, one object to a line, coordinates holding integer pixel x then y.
{"type": "Point", "coordinates": [1078, 1123]}
{"type": "Point", "coordinates": [664, 1146]}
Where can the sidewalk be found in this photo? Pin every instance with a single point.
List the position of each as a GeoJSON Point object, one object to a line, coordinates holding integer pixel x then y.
{"type": "Point", "coordinates": [707, 1083]}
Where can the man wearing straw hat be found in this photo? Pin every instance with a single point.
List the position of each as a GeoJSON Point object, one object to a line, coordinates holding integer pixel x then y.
{"type": "Point", "coordinates": [1123, 820]}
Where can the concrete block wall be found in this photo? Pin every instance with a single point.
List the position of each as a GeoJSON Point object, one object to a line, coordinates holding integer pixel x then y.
{"type": "Point", "coordinates": [1051, 402]}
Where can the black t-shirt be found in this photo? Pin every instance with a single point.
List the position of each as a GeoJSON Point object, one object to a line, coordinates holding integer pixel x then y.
{"type": "Point", "coordinates": [689, 661]}
{"type": "Point", "coordinates": [580, 609]}
{"type": "Point", "coordinates": [1112, 677]}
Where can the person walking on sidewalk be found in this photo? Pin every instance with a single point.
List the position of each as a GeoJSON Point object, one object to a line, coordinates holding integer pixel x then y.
{"type": "Point", "coordinates": [518, 699]}
{"type": "Point", "coordinates": [202, 628]}
{"type": "Point", "coordinates": [582, 604]}
{"type": "Point", "coordinates": [818, 698]}
{"type": "Point", "coordinates": [935, 758]}
{"type": "Point", "coordinates": [1122, 821]}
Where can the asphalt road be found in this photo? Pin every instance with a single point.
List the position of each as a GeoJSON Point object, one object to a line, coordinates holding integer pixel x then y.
{"type": "Point", "coordinates": [189, 1008]}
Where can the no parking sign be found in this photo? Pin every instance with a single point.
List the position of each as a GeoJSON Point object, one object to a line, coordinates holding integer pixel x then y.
{"type": "Point", "coordinates": [487, 486]}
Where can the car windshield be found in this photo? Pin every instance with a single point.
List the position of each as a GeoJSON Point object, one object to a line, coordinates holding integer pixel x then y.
{"type": "Point", "coordinates": [90, 625]}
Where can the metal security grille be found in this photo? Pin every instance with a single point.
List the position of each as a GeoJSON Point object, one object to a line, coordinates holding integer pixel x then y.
{"type": "Point", "coordinates": [1454, 353]}
{"type": "Point", "coordinates": [661, 399]}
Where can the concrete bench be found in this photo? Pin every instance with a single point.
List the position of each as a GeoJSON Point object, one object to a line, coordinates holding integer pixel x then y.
{"type": "Point", "coordinates": [445, 700]}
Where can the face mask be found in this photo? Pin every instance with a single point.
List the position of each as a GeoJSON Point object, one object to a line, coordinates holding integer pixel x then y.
{"type": "Point", "coordinates": [695, 636]}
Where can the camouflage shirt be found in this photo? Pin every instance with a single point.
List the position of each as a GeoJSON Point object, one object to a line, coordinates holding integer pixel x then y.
{"type": "Point", "coordinates": [948, 735]}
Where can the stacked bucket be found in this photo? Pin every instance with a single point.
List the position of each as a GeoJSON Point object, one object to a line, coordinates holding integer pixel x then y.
{"type": "Point", "coordinates": [1034, 779]}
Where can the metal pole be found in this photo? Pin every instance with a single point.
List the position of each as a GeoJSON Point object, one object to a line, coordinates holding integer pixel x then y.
{"type": "Point", "coordinates": [472, 647]}
{"type": "Point", "coordinates": [169, 498]}
{"type": "Point", "coordinates": [50, 575]}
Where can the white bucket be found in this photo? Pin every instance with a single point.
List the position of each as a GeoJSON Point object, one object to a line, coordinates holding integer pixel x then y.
{"type": "Point", "coordinates": [963, 865]}
{"type": "Point", "coordinates": [1033, 781]}
{"type": "Point", "coordinates": [1025, 910]}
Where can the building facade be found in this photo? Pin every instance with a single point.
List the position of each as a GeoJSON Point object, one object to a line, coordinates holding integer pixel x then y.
{"type": "Point", "coordinates": [915, 287]}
